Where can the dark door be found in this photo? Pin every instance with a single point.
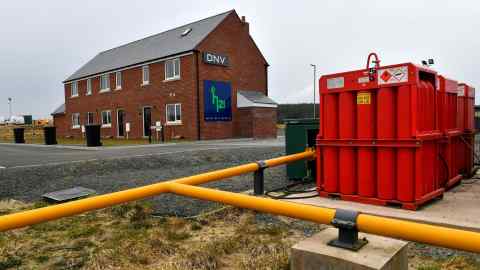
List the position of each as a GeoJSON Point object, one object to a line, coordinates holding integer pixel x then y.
{"type": "Point", "coordinates": [147, 121]}
{"type": "Point", "coordinates": [121, 123]}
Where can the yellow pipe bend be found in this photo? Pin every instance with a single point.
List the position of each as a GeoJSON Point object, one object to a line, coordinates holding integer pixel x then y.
{"type": "Point", "coordinates": [31, 217]}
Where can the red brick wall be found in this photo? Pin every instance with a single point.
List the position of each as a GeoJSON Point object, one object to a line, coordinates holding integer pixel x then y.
{"type": "Point", "coordinates": [246, 71]}
{"type": "Point", "coordinates": [60, 121]}
{"type": "Point", "coordinates": [257, 122]}
{"type": "Point", "coordinates": [264, 122]}
{"type": "Point", "coordinates": [133, 97]}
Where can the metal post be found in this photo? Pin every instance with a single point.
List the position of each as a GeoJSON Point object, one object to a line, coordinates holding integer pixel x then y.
{"type": "Point", "coordinates": [314, 90]}
{"type": "Point", "coordinates": [9, 109]}
{"type": "Point", "coordinates": [259, 179]}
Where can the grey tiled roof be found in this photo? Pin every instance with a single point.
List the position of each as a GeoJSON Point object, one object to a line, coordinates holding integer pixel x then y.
{"type": "Point", "coordinates": [59, 110]}
{"type": "Point", "coordinates": [256, 97]}
{"type": "Point", "coordinates": [150, 48]}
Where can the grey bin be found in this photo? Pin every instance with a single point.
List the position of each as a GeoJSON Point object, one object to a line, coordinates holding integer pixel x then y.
{"type": "Point", "coordinates": [50, 135]}
{"type": "Point", "coordinates": [19, 135]}
{"type": "Point", "coordinates": [92, 133]}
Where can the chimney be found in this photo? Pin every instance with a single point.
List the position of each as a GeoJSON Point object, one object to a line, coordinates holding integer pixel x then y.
{"type": "Point", "coordinates": [245, 25]}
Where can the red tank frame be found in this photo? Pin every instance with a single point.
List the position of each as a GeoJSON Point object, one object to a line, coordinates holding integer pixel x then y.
{"type": "Point", "coordinates": [452, 143]}
{"type": "Point", "coordinates": [378, 138]}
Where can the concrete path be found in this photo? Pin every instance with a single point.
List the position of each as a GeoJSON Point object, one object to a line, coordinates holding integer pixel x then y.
{"type": "Point", "coordinates": [460, 207]}
{"type": "Point", "coordinates": [30, 155]}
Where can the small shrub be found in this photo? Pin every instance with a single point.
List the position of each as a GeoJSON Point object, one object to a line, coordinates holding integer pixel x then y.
{"type": "Point", "coordinates": [10, 262]}
{"type": "Point", "coordinates": [177, 236]}
{"type": "Point", "coordinates": [195, 226]}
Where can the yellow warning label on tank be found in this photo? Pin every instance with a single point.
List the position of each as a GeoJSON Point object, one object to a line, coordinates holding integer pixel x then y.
{"type": "Point", "coordinates": [363, 98]}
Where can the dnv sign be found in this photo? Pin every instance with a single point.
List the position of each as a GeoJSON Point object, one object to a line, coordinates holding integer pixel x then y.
{"type": "Point", "coordinates": [217, 101]}
{"type": "Point", "coordinates": [215, 59]}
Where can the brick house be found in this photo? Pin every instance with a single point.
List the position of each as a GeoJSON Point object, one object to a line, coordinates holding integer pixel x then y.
{"type": "Point", "coordinates": [203, 80]}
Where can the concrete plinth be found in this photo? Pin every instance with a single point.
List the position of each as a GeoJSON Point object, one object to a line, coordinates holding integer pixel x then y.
{"type": "Point", "coordinates": [380, 253]}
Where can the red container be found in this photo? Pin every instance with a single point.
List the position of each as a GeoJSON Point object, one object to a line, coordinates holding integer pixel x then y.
{"type": "Point", "coordinates": [466, 106]}
{"type": "Point", "coordinates": [379, 133]}
{"type": "Point", "coordinates": [466, 96]}
{"type": "Point", "coordinates": [449, 171]}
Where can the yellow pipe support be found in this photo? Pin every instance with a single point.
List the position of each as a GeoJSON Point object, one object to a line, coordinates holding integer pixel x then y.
{"type": "Point", "coordinates": [31, 217]}
{"type": "Point", "coordinates": [411, 231]}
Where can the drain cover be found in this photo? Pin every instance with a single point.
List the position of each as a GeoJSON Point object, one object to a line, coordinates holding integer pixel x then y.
{"type": "Point", "coordinates": [68, 194]}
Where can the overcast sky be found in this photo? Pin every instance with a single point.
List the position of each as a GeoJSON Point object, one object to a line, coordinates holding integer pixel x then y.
{"type": "Point", "coordinates": [43, 42]}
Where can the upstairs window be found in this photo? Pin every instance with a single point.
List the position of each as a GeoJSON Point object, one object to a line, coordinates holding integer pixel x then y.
{"type": "Point", "coordinates": [74, 89]}
{"type": "Point", "coordinates": [106, 119]}
{"type": "Point", "coordinates": [172, 69]}
{"type": "Point", "coordinates": [145, 75]}
{"type": "Point", "coordinates": [174, 114]}
{"type": "Point", "coordinates": [105, 83]}
{"type": "Point", "coordinates": [118, 80]}
{"type": "Point", "coordinates": [89, 87]}
{"type": "Point", "coordinates": [75, 120]}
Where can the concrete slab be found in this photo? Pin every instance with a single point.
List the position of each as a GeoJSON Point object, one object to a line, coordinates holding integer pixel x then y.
{"type": "Point", "coordinates": [459, 208]}
{"type": "Point", "coordinates": [380, 253]}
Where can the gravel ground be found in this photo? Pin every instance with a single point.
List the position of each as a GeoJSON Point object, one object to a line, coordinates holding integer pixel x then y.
{"type": "Point", "coordinates": [28, 184]}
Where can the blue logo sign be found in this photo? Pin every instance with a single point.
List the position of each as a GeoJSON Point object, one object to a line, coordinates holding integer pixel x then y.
{"type": "Point", "coordinates": [217, 101]}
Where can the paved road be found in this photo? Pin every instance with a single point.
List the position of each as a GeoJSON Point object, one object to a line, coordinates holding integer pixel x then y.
{"type": "Point", "coordinates": [14, 156]}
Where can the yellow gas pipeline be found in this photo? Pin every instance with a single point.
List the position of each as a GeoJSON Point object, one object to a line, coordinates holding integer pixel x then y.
{"type": "Point", "coordinates": [22, 219]}
{"type": "Point", "coordinates": [412, 231]}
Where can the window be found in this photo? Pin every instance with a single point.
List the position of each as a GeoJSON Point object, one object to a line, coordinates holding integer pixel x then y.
{"type": "Point", "coordinates": [118, 80]}
{"type": "Point", "coordinates": [174, 113]}
{"type": "Point", "coordinates": [105, 83]}
{"type": "Point", "coordinates": [145, 75]}
{"type": "Point", "coordinates": [74, 89]}
{"type": "Point", "coordinates": [90, 118]}
{"type": "Point", "coordinates": [75, 120]}
{"type": "Point", "coordinates": [106, 119]}
{"type": "Point", "coordinates": [172, 69]}
{"type": "Point", "coordinates": [89, 87]}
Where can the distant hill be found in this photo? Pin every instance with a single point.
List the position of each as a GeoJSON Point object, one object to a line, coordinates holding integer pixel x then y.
{"type": "Point", "coordinates": [295, 111]}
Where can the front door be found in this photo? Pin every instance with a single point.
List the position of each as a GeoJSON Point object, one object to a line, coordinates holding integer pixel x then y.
{"type": "Point", "coordinates": [147, 121]}
{"type": "Point", "coordinates": [121, 123]}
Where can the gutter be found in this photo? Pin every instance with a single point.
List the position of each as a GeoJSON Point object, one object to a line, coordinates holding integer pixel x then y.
{"type": "Point", "coordinates": [197, 78]}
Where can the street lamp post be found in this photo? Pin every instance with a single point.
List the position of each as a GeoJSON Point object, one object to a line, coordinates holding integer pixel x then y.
{"type": "Point", "coordinates": [314, 90]}
{"type": "Point", "coordinates": [9, 108]}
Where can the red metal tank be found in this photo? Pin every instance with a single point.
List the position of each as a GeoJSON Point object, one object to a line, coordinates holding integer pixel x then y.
{"type": "Point", "coordinates": [449, 170]}
{"type": "Point", "coordinates": [466, 104]}
{"type": "Point", "coordinates": [378, 138]}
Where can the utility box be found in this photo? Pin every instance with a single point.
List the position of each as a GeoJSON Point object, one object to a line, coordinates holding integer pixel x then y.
{"type": "Point", "coordinates": [300, 134]}
{"type": "Point", "coordinates": [378, 136]}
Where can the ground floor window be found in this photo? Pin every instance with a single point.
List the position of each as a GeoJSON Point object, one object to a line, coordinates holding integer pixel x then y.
{"type": "Point", "coordinates": [174, 113]}
{"type": "Point", "coordinates": [107, 119]}
{"type": "Point", "coordinates": [90, 118]}
{"type": "Point", "coordinates": [75, 120]}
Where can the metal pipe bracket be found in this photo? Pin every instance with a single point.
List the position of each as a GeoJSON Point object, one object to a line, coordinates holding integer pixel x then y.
{"type": "Point", "coordinates": [346, 222]}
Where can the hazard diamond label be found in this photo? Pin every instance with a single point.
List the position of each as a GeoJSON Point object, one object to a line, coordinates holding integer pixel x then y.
{"type": "Point", "coordinates": [386, 76]}
{"type": "Point", "coordinates": [393, 75]}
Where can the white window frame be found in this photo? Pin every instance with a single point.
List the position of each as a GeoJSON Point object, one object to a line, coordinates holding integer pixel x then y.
{"type": "Point", "coordinates": [107, 124]}
{"type": "Point", "coordinates": [107, 88]}
{"type": "Point", "coordinates": [177, 121]}
{"type": "Point", "coordinates": [174, 62]}
{"type": "Point", "coordinates": [89, 87]}
{"type": "Point", "coordinates": [88, 118]}
{"type": "Point", "coordinates": [76, 116]}
{"type": "Point", "coordinates": [147, 69]}
{"type": "Point", "coordinates": [118, 80]}
{"type": "Point", "coordinates": [74, 85]}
